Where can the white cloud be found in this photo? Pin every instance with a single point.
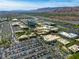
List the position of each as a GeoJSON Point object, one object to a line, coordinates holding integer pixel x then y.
{"type": "Point", "coordinates": [63, 4]}
{"type": "Point", "coordinates": [13, 5]}
{"type": "Point", "coordinates": [10, 5]}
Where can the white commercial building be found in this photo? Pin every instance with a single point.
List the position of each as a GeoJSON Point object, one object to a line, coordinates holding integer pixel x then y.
{"type": "Point", "coordinates": [19, 31]}
{"type": "Point", "coordinates": [77, 39]}
{"type": "Point", "coordinates": [23, 26]}
{"type": "Point", "coordinates": [63, 41]}
{"type": "Point", "coordinates": [68, 35]}
{"type": "Point", "coordinates": [49, 37]}
{"type": "Point", "coordinates": [74, 48]}
{"type": "Point", "coordinates": [15, 19]}
{"type": "Point", "coordinates": [23, 37]}
{"type": "Point", "coordinates": [15, 23]}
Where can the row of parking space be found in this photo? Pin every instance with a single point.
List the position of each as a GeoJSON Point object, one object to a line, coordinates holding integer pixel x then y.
{"type": "Point", "coordinates": [29, 52]}
{"type": "Point", "coordinates": [40, 54]}
{"type": "Point", "coordinates": [18, 50]}
{"type": "Point", "coordinates": [22, 49]}
{"type": "Point", "coordinates": [28, 42]}
{"type": "Point", "coordinates": [1, 51]}
{"type": "Point", "coordinates": [57, 52]}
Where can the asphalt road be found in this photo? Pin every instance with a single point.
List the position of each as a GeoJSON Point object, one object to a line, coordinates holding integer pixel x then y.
{"type": "Point", "coordinates": [6, 30]}
{"type": "Point", "coordinates": [13, 34]}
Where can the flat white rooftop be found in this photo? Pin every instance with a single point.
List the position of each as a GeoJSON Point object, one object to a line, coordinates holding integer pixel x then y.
{"type": "Point", "coordinates": [15, 19]}
{"type": "Point", "coordinates": [15, 23]}
{"type": "Point", "coordinates": [19, 31]}
{"type": "Point", "coordinates": [63, 41]}
{"type": "Point", "coordinates": [50, 37]}
{"type": "Point", "coordinates": [77, 39]}
{"type": "Point", "coordinates": [74, 48]}
{"type": "Point", "coordinates": [23, 26]}
{"type": "Point", "coordinates": [23, 36]}
{"type": "Point", "coordinates": [47, 27]}
{"type": "Point", "coordinates": [68, 35]}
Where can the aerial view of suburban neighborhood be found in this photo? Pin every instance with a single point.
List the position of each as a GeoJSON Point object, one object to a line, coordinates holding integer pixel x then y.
{"type": "Point", "coordinates": [39, 29]}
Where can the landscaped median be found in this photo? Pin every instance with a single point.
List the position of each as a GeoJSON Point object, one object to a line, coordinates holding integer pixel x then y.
{"type": "Point", "coordinates": [19, 33]}
{"type": "Point", "coordinates": [23, 35]}
{"type": "Point", "coordinates": [73, 56]}
{"type": "Point", "coordinates": [5, 43]}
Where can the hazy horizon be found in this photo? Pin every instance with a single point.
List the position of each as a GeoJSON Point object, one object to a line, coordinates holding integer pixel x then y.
{"type": "Point", "coordinates": [7, 5]}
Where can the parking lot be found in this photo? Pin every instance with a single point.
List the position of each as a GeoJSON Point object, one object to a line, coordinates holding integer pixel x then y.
{"type": "Point", "coordinates": [6, 30]}
{"type": "Point", "coordinates": [28, 49]}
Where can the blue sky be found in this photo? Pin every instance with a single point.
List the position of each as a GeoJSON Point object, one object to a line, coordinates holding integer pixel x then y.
{"type": "Point", "coordinates": [34, 4]}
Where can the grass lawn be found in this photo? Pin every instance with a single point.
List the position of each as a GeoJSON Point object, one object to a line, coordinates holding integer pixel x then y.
{"type": "Point", "coordinates": [18, 34]}
{"type": "Point", "coordinates": [5, 43]}
{"type": "Point", "coordinates": [72, 43]}
{"type": "Point", "coordinates": [74, 56]}
{"type": "Point", "coordinates": [76, 26]}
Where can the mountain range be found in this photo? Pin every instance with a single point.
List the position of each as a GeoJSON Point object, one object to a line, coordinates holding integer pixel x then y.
{"type": "Point", "coordinates": [47, 9]}
{"type": "Point", "coordinates": [54, 10]}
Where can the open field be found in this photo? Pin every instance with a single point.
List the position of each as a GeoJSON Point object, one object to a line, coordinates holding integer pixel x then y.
{"type": "Point", "coordinates": [70, 18]}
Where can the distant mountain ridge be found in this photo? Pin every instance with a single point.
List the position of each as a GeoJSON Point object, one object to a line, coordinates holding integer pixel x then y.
{"type": "Point", "coordinates": [58, 9]}
{"type": "Point", "coordinates": [44, 10]}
